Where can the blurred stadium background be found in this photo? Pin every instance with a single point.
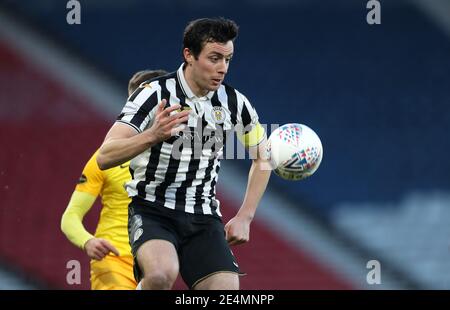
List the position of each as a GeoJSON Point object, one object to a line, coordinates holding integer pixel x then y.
{"type": "Point", "coordinates": [378, 96]}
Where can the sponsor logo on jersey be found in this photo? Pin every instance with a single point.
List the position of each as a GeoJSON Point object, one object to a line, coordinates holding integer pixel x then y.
{"type": "Point", "coordinates": [82, 179]}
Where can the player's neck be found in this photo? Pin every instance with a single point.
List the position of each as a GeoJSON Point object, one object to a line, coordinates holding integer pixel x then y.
{"type": "Point", "coordinates": [195, 88]}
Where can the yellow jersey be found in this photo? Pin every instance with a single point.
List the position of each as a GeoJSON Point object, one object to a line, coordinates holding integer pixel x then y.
{"type": "Point", "coordinates": [109, 184]}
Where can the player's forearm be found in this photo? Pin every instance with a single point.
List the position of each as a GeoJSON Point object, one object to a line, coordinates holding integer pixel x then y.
{"type": "Point", "coordinates": [257, 182]}
{"type": "Point", "coordinates": [117, 151]}
{"type": "Point", "coordinates": [72, 219]}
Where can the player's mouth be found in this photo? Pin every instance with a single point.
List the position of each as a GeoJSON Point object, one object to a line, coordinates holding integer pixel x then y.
{"type": "Point", "coordinates": [217, 81]}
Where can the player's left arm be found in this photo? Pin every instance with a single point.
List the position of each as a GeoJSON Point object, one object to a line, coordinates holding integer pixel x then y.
{"type": "Point", "coordinates": [238, 228]}
{"type": "Point", "coordinates": [88, 188]}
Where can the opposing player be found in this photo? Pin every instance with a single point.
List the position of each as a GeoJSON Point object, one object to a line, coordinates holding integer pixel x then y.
{"type": "Point", "coordinates": [109, 249]}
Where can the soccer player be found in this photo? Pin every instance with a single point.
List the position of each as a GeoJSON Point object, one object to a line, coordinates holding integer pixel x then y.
{"type": "Point", "coordinates": [173, 130]}
{"type": "Point", "coordinates": [108, 272]}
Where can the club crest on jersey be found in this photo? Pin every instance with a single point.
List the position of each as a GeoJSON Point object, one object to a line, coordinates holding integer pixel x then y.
{"type": "Point", "coordinates": [218, 115]}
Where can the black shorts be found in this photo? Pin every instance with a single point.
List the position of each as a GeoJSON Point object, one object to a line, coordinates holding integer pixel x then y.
{"type": "Point", "coordinates": [199, 239]}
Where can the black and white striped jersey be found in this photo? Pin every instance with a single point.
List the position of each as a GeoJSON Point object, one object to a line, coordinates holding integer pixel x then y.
{"type": "Point", "coordinates": [181, 173]}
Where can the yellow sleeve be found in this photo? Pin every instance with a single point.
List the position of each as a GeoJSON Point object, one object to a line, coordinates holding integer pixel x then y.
{"type": "Point", "coordinates": [72, 219]}
{"type": "Point", "coordinates": [91, 180]}
{"type": "Point", "coordinates": [253, 137]}
{"type": "Point", "coordinates": [88, 188]}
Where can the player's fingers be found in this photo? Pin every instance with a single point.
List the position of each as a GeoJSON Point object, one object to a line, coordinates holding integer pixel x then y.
{"type": "Point", "coordinates": [172, 108]}
{"type": "Point", "coordinates": [237, 241]}
{"type": "Point", "coordinates": [232, 242]}
{"type": "Point", "coordinates": [176, 127]}
{"type": "Point", "coordinates": [229, 237]}
{"type": "Point", "coordinates": [177, 122]}
{"type": "Point", "coordinates": [175, 130]}
{"type": "Point", "coordinates": [241, 241]}
{"type": "Point", "coordinates": [179, 115]}
{"type": "Point", "coordinates": [110, 247]}
{"type": "Point", "coordinates": [103, 253]}
{"type": "Point", "coordinates": [161, 106]}
{"type": "Point", "coordinates": [226, 229]}
{"type": "Point", "coordinates": [97, 255]}
{"type": "Point", "coordinates": [92, 255]}
{"type": "Point", "coordinates": [114, 250]}
{"type": "Point", "coordinates": [103, 249]}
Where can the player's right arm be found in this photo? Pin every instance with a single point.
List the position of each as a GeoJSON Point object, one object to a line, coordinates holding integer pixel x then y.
{"type": "Point", "coordinates": [126, 140]}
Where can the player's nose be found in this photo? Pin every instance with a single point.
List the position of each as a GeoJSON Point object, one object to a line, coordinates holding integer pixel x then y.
{"type": "Point", "coordinates": [223, 68]}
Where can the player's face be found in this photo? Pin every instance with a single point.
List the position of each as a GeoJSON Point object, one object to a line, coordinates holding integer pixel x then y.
{"type": "Point", "coordinates": [209, 70]}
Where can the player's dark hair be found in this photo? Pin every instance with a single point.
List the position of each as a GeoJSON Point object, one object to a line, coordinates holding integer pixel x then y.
{"type": "Point", "coordinates": [142, 76]}
{"type": "Point", "coordinates": [201, 31]}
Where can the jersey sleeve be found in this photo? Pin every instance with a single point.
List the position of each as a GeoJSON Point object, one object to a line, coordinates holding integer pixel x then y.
{"type": "Point", "coordinates": [92, 178]}
{"type": "Point", "coordinates": [72, 219]}
{"type": "Point", "coordinates": [140, 108]}
{"type": "Point", "coordinates": [250, 132]}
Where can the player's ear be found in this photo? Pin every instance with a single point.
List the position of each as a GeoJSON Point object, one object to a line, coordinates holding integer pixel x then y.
{"type": "Point", "coordinates": [188, 56]}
